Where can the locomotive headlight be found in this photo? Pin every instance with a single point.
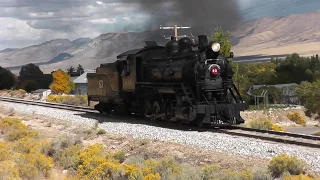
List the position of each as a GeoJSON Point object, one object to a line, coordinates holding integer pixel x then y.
{"type": "Point", "coordinates": [215, 47]}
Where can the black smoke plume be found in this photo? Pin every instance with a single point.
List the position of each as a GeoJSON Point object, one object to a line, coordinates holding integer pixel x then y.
{"type": "Point", "coordinates": [203, 15]}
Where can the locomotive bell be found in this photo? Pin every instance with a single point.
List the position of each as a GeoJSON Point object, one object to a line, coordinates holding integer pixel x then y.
{"type": "Point", "coordinates": [172, 47]}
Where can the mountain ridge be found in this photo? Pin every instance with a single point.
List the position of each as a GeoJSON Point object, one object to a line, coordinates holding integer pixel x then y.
{"type": "Point", "coordinates": [267, 35]}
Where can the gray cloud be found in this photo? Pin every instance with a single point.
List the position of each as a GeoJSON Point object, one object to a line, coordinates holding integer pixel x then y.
{"type": "Point", "coordinates": [39, 20]}
{"type": "Point", "coordinates": [203, 15]}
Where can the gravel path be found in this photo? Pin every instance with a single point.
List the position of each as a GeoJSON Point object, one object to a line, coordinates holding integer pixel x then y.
{"type": "Point", "coordinates": [206, 140]}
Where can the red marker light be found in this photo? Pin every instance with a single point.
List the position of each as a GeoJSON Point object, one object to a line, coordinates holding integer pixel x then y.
{"type": "Point", "coordinates": [214, 70]}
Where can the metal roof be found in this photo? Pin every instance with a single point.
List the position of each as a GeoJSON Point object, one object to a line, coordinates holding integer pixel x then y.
{"type": "Point", "coordinates": [83, 78]}
{"type": "Point", "coordinates": [73, 78]}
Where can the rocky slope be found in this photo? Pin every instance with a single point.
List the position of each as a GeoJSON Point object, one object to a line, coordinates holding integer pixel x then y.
{"type": "Point", "coordinates": [87, 52]}
{"type": "Point", "coordinates": [296, 32]}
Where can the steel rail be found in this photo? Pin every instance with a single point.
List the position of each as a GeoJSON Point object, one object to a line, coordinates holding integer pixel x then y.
{"type": "Point", "coordinates": [282, 137]}
{"type": "Point", "coordinates": [296, 135]}
{"type": "Point", "coordinates": [301, 141]}
{"type": "Point", "coordinates": [50, 105]}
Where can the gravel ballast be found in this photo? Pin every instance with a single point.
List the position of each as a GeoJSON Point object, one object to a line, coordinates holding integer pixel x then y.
{"type": "Point", "coordinates": [206, 140]}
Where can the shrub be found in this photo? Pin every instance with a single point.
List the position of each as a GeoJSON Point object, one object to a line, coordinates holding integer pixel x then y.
{"type": "Point", "coordinates": [265, 124]}
{"type": "Point", "coordinates": [24, 154]}
{"type": "Point", "coordinates": [8, 170]}
{"type": "Point", "coordinates": [261, 123]}
{"type": "Point", "coordinates": [60, 145]}
{"type": "Point", "coordinates": [296, 117]}
{"type": "Point", "coordinates": [152, 177]}
{"type": "Point", "coordinates": [120, 156]}
{"type": "Point", "coordinates": [262, 174]}
{"type": "Point", "coordinates": [235, 175]}
{"type": "Point", "coordinates": [15, 129]}
{"type": "Point", "coordinates": [101, 131]}
{"type": "Point", "coordinates": [209, 171]}
{"type": "Point", "coordinates": [70, 157]}
{"type": "Point", "coordinates": [277, 128]}
{"type": "Point", "coordinates": [77, 100]}
{"type": "Point", "coordinates": [298, 177]}
{"type": "Point", "coordinates": [283, 163]}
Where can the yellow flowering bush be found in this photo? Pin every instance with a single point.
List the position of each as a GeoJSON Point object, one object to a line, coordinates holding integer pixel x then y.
{"type": "Point", "coordinates": [277, 128]}
{"type": "Point", "coordinates": [67, 99]}
{"type": "Point", "coordinates": [265, 124]}
{"type": "Point", "coordinates": [296, 117]}
{"type": "Point", "coordinates": [298, 177]}
{"type": "Point", "coordinates": [284, 163]}
{"type": "Point", "coordinates": [23, 153]}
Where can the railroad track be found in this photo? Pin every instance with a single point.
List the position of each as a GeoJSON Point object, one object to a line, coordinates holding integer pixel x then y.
{"type": "Point", "coordinates": [50, 104]}
{"type": "Point", "coordinates": [269, 135]}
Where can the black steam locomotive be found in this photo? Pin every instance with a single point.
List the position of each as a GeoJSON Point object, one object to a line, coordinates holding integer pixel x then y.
{"type": "Point", "coordinates": [185, 80]}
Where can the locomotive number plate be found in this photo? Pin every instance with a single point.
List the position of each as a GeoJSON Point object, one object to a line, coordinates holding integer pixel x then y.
{"type": "Point", "coordinates": [100, 84]}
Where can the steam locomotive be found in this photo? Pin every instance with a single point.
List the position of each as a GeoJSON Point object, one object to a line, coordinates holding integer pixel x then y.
{"type": "Point", "coordinates": [186, 80]}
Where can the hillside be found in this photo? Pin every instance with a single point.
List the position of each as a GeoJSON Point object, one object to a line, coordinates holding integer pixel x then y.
{"type": "Point", "coordinates": [90, 53]}
{"type": "Point", "coordinates": [38, 53]}
{"type": "Point", "coordinates": [279, 35]}
{"type": "Point", "coordinates": [266, 36]}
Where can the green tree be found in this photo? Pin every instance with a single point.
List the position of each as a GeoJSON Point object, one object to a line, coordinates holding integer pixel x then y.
{"type": "Point", "coordinates": [80, 70]}
{"type": "Point", "coordinates": [61, 82]}
{"type": "Point", "coordinates": [7, 79]}
{"type": "Point", "coordinates": [71, 70]}
{"type": "Point", "coordinates": [30, 71]}
{"type": "Point", "coordinates": [308, 94]}
{"type": "Point", "coordinates": [223, 38]}
{"type": "Point", "coordinates": [32, 78]}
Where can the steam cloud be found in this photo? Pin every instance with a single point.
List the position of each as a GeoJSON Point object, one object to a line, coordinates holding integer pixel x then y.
{"type": "Point", "coordinates": [203, 15]}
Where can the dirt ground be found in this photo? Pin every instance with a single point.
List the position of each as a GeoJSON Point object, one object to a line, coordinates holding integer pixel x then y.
{"type": "Point", "coordinates": [54, 128]}
{"type": "Point", "coordinates": [279, 116]}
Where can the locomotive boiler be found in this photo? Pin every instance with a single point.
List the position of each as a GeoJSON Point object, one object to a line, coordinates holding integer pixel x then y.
{"type": "Point", "coordinates": [186, 80]}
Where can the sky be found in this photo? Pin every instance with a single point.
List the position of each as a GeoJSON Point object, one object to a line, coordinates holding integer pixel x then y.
{"type": "Point", "coordinates": [28, 22]}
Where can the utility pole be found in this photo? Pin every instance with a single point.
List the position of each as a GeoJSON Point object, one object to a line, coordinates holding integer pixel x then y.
{"type": "Point", "coordinates": [175, 28]}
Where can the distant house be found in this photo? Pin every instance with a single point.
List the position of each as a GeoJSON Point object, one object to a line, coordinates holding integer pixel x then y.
{"type": "Point", "coordinates": [44, 93]}
{"type": "Point", "coordinates": [288, 92]}
{"type": "Point", "coordinates": [81, 84]}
